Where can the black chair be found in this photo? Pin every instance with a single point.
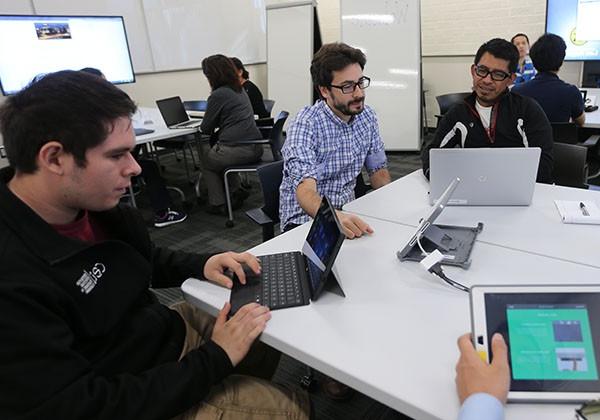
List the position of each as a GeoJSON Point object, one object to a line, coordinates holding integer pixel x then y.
{"type": "Point", "coordinates": [446, 102]}
{"type": "Point", "coordinates": [269, 103]}
{"type": "Point", "coordinates": [275, 141]}
{"type": "Point", "coordinates": [568, 133]}
{"type": "Point", "coordinates": [570, 167]}
{"type": "Point", "coordinates": [267, 216]}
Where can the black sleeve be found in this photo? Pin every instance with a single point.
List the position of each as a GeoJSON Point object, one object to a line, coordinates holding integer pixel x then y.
{"type": "Point", "coordinates": [171, 268]}
{"type": "Point", "coordinates": [45, 377]}
{"type": "Point", "coordinates": [445, 128]}
{"type": "Point", "coordinates": [256, 99]}
{"type": "Point", "coordinates": [539, 134]}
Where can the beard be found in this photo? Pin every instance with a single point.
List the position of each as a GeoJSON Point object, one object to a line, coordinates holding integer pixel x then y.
{"type": "Point", "coordinates": [345, 109]}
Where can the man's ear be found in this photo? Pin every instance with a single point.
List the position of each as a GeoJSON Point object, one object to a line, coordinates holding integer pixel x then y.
{"type": "Point", "coordinates": [324, 91]}
{"type": "Point", "coordinates": [52, 157]}
{"type": "Point", "coordinates": [513, 76]}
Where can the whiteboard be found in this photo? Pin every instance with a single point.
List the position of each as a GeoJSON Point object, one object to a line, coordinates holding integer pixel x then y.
{"type": "Point", "coordinates": [389, 33]}
{"type": "Point", "coordinates": [289, 57]}
{"type": "Point", "coordinates": [183, 32]}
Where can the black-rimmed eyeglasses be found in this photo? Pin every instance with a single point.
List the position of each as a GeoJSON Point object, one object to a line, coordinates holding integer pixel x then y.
{"type": "Point", "coordinates": [497, 75]}
{"type": "Point", "coordinates": [350, 87]}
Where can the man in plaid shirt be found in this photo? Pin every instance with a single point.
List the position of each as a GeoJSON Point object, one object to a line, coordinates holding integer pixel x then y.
{"type": "Point", "coordinates": [329, 142]}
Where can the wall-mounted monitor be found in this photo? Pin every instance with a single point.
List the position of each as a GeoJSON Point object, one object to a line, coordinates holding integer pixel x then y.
{"type": "Point", "coordinates": [35, 45]}
{"type": "Point", "coordinates": [576, 21]}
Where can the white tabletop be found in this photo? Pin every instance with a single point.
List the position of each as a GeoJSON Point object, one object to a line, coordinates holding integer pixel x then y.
{"type": "Point", "coordinates": [394, 336]}
{"type": "Point", "coordinates": [537, 228]}
{"type": "Point", "coordinates": [150, 118]}
{"type": "Point", "coordinates": [592, 119]}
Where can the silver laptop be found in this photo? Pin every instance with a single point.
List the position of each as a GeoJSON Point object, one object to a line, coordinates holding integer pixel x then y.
{"type": "Point", "coordinates": [173, 112]}
{"type": "Point", "coordinates": [489, 177]}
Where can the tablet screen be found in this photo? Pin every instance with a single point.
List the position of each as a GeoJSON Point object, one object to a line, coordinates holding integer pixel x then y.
{"type": "Point", "coordinates": [552, 338]}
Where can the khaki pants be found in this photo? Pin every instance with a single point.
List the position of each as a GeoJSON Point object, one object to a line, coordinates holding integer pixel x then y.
{"type": "Point", "coordinates": [240, 396]}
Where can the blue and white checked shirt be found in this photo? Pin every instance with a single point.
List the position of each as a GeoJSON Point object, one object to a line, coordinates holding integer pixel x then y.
{"type": "Point", "coordinates": [322, 146]}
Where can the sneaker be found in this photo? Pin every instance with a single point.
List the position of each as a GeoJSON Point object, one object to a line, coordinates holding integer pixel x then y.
{"type": "Point", "coordinates": [170, 217]}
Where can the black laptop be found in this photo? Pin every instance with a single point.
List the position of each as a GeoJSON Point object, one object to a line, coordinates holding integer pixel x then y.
{"type": "Point", "coordinates": [173, 112]}
{"type": "Point", "coordinates": [295, 278]}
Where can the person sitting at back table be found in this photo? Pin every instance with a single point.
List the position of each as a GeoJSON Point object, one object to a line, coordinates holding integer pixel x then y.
{"type": "Point", "coordinates": [482, 388]}
{"type": "Point", "coordinates": [493, 116]}
{"type": "Point", "coordinates": [82, 335]}
{"type": "Point", "coordinates": [561, 101]}
{"type": "Point", "coordinates": [254, 93]}
{"type": "Point", "coordinates": [525, 69]}
{"type": "Point", "coordinates": [160, 200]}
{"type": "Point", "coordinates": [229, 111]}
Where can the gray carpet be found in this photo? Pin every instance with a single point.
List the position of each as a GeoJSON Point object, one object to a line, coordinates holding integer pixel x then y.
{"type": "Point", "coordinates": [202, 232]}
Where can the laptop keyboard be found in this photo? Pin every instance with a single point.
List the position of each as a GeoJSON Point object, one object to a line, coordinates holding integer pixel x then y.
{"type": "Point", "coordinates": [280, 281]}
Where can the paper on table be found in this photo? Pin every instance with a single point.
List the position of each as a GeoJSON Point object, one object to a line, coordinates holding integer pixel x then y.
{"type": "Point", "coordinates": [573, 212]}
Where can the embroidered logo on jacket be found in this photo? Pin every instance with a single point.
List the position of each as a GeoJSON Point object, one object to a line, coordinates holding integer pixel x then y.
{"type": "Point", "coordinates": [89, 279]}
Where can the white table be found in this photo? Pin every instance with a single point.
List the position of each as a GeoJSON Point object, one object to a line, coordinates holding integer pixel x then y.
{"type": "Point", "coordinates": [150, 118]}
{"type": "Point", "coordinates": [394, 336]}
{"type": "Point", "coordinates": [536, 229]}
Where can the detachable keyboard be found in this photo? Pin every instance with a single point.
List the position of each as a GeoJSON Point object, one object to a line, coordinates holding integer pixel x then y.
{"type": "Point", "coordinates": [278, 286]}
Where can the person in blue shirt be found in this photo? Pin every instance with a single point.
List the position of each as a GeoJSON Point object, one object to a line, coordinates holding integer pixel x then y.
{"type": "Point", "coordinates": [329, 142]}
{"type": "Point", "coordinates": [561, 101]}
{"type": "Point", "coordinates": [482, 388]}
{"type": "Point", "coordinates": [526, 69]}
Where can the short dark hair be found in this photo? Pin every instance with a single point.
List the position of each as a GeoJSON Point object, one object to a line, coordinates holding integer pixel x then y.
{"type": "Point", "coordinates": [220, 71]}
{"type": "Point", "coordinates": [74, 108]}
{"type": "Point", "coordinates": [92, 70]}
{"type": "Point", "coordinates": [240, 66]}
{"type": "Point", "coordinates": [548, 52]}
{"type": "Point", "coordinates": [333, 57]}
{"type": "Point", "coordinates": [512, 40]}
{"type": "Point", "coordinates": [500, 48]}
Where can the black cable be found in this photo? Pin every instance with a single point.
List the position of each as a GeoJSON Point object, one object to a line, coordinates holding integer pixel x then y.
{"type": "Point", "coordinates": [437, 270]}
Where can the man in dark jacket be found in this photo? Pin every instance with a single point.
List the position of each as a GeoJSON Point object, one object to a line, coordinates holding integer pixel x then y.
{"type": "Point", "coordinates": [493, 116]}
{"type": "Point", "coordinates": [82, 336]}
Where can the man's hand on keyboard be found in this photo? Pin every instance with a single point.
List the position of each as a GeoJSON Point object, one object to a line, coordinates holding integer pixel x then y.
{"type": "Point", "coordinates": [237, 335]}
{"type": "Point", "coordinates": [217, 265]}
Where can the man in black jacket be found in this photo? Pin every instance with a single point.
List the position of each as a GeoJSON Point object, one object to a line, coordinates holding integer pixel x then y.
{"type": "Point", "coordinates": [82, 336]}
{"type": "Point", "coordinates": [493, 116]}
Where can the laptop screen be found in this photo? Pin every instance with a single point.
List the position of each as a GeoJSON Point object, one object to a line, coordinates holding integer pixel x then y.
{"type": "Point", "coordinates": [172, 110]}
{"type": "Point", "coordinates": [322, 245]}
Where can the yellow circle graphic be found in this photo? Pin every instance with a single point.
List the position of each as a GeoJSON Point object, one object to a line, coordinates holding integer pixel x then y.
{"type": "Point", "coordinates": [574, 40]}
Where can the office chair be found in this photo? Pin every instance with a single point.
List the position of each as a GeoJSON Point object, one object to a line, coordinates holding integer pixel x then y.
{"type": "Point", "coordinates": [275, 141]}
{"type": "Point", "coordinates": [446, 102]}
{"type": "Point", "coordinates": [568, 133]}
{"type": "Point", "coordinates": [267, 216]}
{"type": "Point", "coordinates": [269, 103]}
{"type": "Point", "coordinates": [570, 167]}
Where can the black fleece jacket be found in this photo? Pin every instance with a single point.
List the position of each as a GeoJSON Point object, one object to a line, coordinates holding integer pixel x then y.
{"type": "Point", "coordinates": [81, 335]}
{"type": "Point", "coordinates": [517, 121]}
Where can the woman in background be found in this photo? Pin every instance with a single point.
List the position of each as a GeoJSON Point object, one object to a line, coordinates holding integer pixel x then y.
{"type": "Point", "coordinates": [256, 97]}
{"type": "Point", "coordinates": [525, 69]}
{"type": "Point", "coordinates": [229, 119]}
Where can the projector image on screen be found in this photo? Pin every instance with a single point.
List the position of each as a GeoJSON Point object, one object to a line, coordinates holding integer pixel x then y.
{"type": "Point", "coordinates": [45, 44]}
{"type": "Point", "coordinates": [576, 21]}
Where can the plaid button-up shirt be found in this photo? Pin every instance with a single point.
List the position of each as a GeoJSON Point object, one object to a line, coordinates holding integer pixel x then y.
{"type": "Point", "coordinates": [322, 146]}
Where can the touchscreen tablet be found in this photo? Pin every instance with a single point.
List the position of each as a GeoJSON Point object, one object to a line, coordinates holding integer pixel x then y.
{"type": "Point", "coordinates": [553, 337]}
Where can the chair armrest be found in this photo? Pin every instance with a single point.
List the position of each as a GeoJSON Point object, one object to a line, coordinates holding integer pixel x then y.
{"type": "Point", "coordinates": [262, 122]}
{"type": "Point", "coordinates": [591, 141]}
{"type": "Point", "coordinates": [259, 217]}
{"type": "Point", "coordinates": [256, 141]}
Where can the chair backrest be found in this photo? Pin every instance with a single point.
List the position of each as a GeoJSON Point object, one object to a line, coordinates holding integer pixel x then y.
{"type": "Point", "coordinates": [564, 132]}
{"type": "Point", "coordinates": [270, 176]}
{"type": "Point", "coordinates": [276, 136]}
{"type": "Point", "coordinates": [269, 103]}
{"type": "Point", "coordinates": [570, 165]}
{"type": "Point", "coordinates": [445, 102]}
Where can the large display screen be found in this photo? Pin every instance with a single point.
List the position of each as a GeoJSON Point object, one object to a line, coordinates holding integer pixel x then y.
{"type": "Point", "coordinates": [36, 45]}
{"type": "Point", "coordinates": [576, 21]}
